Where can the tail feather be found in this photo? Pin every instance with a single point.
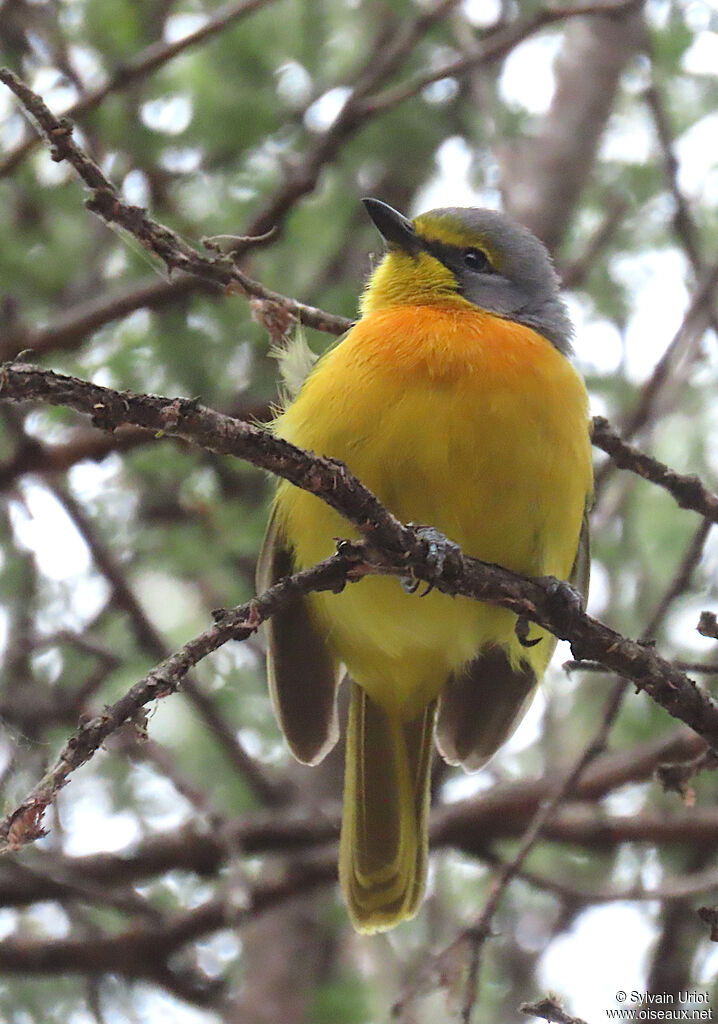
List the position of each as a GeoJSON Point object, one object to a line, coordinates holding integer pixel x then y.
{"type": "Point", "coordinates": [384, 844]}
{"type": "Point", "coordinates": [420, 743]}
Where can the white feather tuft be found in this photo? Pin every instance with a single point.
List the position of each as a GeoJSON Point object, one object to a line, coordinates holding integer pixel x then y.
{"type": "Point", "coordinates": [295, 359]}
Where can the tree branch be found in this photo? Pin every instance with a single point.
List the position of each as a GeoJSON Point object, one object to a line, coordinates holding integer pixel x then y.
{"type": "Point", "coordinates": [688, 490]}
{"type": "Point", "coordinates": [24, 823]}
{"type": "Point", "coordinates": [150, 639]}
{"type": "Point", "coordinates": [474, 937]}
{"type": "Point", "coordinates": [141, 64]}
{"type": "Point", "coordinates": [499, 44]}
{"type": "Point", "coordinates": [161, 241]}
{"type": "Point", "coordinates": [32, 456]}
{"type": "Point", "coordinates": [176, 253]}
{"type": "Point", "coordinates": [77, 323]}
{"type": "Point", "coordinates": [215, 432]}
{"type": "Point", "coordinates": [144, 951]}
{"type": "Point", "coordinates": [549, 1009]}
{"type": "Point", "coordinates": [395, 549]}
{"type": "Point", "coordinates": [543, 174]}
{"type": "Point", "coordinates": [470, 825]}
{"type": "Point", "coordinates": [481, 930]}
{"type": "Point", "coordinates": [683, 222]}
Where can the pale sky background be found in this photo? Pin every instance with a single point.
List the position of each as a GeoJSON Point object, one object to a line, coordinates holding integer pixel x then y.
{"type": "Point", "coordinates": [617, 936]}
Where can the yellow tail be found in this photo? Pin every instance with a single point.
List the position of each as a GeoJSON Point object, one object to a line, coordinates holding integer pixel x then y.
{"type": "Point", "coordinates": [384, 842]}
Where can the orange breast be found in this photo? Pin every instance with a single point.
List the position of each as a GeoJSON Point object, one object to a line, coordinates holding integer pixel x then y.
{"type": "Point", "coordinates": [455, 419]}
{"type": "Point", "coordinates": [447, 344]}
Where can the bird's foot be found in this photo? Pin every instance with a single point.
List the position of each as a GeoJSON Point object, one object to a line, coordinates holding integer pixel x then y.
{"type": "Point", "coordinates": [565, 599]}
{"type": "Point", "coordinates": [443, 559]}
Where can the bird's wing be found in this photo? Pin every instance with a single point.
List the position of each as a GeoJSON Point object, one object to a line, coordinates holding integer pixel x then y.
{"type": "Point", "coordinates": [303, 677]}
{"type": "Point", "coordinates": [581, 571]}
{"type": "Point", "coordinates": [482, 705]}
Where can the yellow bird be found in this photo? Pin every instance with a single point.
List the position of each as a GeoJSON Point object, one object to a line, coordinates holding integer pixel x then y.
{"type": "Point", "coordinates": [454, 400]}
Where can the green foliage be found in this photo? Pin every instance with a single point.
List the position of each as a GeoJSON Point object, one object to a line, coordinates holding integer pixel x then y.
{"type": "Point", "coordinates": [342, 1001]}
{"type": "Point", "coordinates": [206, 142]}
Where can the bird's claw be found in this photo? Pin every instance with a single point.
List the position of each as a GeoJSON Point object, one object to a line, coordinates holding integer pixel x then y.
{"type": "Point", "coordinates": [522, 629]}
{"type": "Point", "coordinates": [410, 584]}
{"type": "Point", "coordinates": [565, 598]}
{"type": "Point", "coordinates": [443, 558]}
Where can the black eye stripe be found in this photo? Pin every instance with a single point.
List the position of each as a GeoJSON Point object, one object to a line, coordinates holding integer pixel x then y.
{"type": "Point", "coordinates": [455, 257]}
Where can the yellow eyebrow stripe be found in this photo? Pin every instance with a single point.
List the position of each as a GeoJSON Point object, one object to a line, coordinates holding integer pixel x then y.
{"type": "Point", "coordinates": [433, 229]}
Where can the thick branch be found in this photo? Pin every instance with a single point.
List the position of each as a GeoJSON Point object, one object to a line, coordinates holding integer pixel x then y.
{"type": "Point", "coordinates": [215, 432]}
{"type": "Point", "coordinates": [469, 825]}
{"type": "Point", "coordinates": [396, 549]}
{"type": "Point", "coordinates": [144, 951]}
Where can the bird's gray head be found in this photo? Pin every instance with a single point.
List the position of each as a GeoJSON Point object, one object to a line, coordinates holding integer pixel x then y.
{"type": "Point", "coordinates": [480, 256]}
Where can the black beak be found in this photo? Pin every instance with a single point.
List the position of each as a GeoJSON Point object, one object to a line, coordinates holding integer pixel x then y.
{"type": "Point", "coordinates": [394, 228]}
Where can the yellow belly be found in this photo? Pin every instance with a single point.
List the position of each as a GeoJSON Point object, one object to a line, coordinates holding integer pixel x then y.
{"type": "Point", "coordinates": [457, 420]}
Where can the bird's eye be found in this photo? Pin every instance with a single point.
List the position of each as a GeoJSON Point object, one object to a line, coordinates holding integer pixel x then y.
{"type": "Point", "coordinates": [477, 260]}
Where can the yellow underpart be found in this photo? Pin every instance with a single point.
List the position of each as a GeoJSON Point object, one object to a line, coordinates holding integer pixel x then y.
{"type": "Point", "coordinates": [403, 280]}
{"type": "Point", "coordinates": [457, 419]}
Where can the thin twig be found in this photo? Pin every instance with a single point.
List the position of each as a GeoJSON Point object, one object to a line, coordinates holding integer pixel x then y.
{"type": "Point", "coordinates": [481, 930]}
{"type": "Point", "coordinates": [161, 241]}
{"type": "Point", "coordinates": [684, 341]}
{"type": "Point", "coordinates": [497, 45]}
{"type": "Point", "coordinates": [141, 65]}
{"type": "Point", "coordinates": [688, 490]}
{"type": "Point", "coordinates": [683, 221]}
{"type": "Point", "coordinates": [574, 273]}
{"type": "Point", "coordinates": [670, 889]}
{"type": "Point", "coordinates": [24, 823]}
{"type": "Point", "coordinates": [550, 1010]}
{"type": "Point", "coordinates": [681, 581]}
{"type": "Point", "coordinates": [149, 638]}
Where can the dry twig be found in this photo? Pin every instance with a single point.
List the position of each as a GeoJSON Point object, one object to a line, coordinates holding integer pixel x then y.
{"type": "Point", "coordinates": [688, 491]}
{"type": "Point", "coordinates": [154, 56]}
{"type": "Point", "coordinates": [161, 241]}
{"type": "Point", "coordinates": [551, 1010]}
